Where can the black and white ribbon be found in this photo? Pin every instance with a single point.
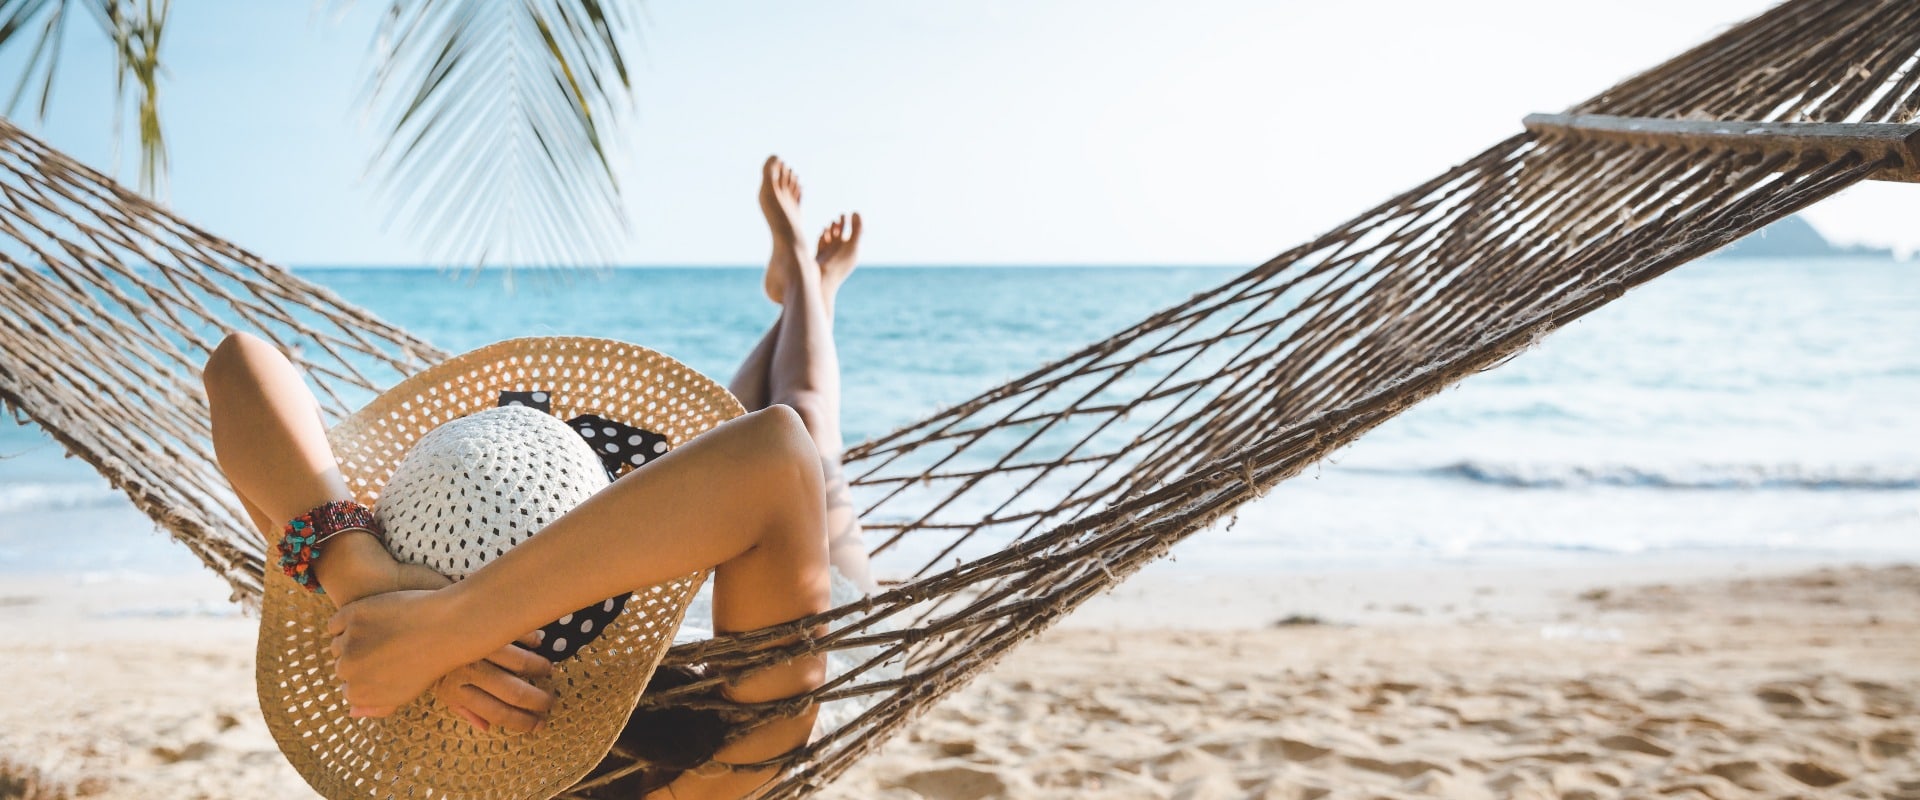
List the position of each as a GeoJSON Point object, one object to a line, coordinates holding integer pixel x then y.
{"type": "Point", "coordinates": [622, 448]}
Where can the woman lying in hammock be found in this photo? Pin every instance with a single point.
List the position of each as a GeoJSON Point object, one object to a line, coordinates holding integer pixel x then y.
{"type": "Point", "coordinates": [760, 499]}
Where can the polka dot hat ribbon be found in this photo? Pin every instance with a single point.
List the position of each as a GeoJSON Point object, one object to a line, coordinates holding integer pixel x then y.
{"type": "Point", "coordinates": [622, 448]}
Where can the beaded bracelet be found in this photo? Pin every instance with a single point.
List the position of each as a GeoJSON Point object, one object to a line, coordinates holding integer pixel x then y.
{"type": "Point", "coordinates": [300, 543]}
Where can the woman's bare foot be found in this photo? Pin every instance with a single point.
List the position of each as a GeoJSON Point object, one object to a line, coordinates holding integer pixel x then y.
{"type": "Point", "coordinates": [836, 252]}
{"type": "Point", "coordinates": [780, 202]}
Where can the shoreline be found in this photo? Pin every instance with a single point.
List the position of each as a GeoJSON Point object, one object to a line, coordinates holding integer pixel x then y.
{"type": "Point", "coordinates": [1755, 677]}
{"type": "Point", "coordinates": [1406, 592]}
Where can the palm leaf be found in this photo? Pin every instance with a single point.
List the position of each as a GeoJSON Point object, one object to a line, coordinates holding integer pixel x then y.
{"type": "Point", "coordinates": [134, 27]}
{"type": "Point", "coordinates": [136, 30]}
{"type": "Point", "coordinates": [18, 16]}
{"type": "Point", "coordinates": [493, 112]}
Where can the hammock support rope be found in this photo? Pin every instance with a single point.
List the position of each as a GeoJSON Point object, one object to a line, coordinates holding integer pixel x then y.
{"type": "Point", "coordinates": [1897, 147]}
{"type": "Point", "coordinates": [1007, 511]}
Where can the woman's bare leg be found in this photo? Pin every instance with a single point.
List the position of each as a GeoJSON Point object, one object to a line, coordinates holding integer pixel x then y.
{"type": "Point", "coordinates": [750, 381]}
{"type": "Point", "coordinates": [804, 368]}
{"type": "Point", "coordinates": [835, 254]}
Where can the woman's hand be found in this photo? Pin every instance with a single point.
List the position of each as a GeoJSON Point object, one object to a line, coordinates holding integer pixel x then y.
{"type": "Point", "coordinates": [390, 648]}
{"type": "Point", "coordinates": [497, 691]}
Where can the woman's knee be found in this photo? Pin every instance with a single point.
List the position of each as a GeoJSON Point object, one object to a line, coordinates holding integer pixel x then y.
{"type": "Point", "coordinates": [237, 361]}
{"type": "Point", "coordinates": [781, 434]}
{"type": "Point", "coordinates": [788, 464]}
{"type": "Point", "coordinates": [809, 407]}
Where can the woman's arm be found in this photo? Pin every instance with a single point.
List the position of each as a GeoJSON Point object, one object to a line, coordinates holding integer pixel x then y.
{"type": "Point", "coordinates": [270, 441]}
{"type": "Point", "coordinates": [744, 497]}
{"type": "Point", "coordinates": [353, 565]}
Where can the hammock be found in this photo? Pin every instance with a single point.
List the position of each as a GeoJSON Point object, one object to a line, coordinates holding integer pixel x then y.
{"type": "Point", "coordinates": [1007, 511]}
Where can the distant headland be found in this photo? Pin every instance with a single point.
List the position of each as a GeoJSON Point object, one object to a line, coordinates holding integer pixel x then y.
{"type": "Point", "coordinates": [1794, 237]}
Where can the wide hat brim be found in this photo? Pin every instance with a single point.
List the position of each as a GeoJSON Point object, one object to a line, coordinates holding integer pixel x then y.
{"type": "Point", "coordinates": [424, 750]}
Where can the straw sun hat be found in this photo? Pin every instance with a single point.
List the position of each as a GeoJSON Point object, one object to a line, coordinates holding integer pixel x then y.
{"type": "Point", "coordinates": [460, 462]}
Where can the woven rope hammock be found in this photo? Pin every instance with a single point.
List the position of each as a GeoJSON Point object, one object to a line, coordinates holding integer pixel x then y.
{"type": "Point", "coordinates": [1009, 510]}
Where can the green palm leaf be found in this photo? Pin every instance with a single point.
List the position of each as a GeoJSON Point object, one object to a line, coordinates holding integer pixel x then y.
{"type": "Point", "coordinates": [134, 27]}
{"type": "Point", "coordinates": [494, 112]}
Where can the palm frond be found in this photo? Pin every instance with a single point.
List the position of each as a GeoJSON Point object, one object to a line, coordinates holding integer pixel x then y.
{"type": "Point", "coordinates": [136, 31]}
{"type": "Point", "coordinates": [494, 112]}
{"type": "Point", "coordinates": [19, 16]}
{"type": "Point", "coordinates": [133, 27]}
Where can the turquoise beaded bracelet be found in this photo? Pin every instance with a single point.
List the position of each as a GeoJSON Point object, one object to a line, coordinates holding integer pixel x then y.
{"type": "Point", "coordinates": [301, 539]}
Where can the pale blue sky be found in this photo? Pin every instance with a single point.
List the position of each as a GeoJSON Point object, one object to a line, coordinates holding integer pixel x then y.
{"type": "Point", "coordinates": [987, 131]}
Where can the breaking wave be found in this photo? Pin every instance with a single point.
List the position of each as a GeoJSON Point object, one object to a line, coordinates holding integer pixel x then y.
{"type": "Point", "coordinates": [1701, 477]}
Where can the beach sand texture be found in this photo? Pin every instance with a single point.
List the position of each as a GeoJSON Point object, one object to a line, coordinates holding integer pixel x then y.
{"type": "Point", "coordinates": [1778, 685]}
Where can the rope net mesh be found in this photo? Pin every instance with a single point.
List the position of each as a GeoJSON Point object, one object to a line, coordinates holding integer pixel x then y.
{"type": "Point", "coordinates": [1010, 509]}
{"type": "Point", "coordinates": [109, 306]}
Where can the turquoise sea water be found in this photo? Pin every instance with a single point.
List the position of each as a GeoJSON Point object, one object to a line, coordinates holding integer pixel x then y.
{"type": "Point", "coordinates": [1734, 406]}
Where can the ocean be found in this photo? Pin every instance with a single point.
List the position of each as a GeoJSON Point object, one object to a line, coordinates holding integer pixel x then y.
{"type": "Point", "coordinates": [1734, 408]}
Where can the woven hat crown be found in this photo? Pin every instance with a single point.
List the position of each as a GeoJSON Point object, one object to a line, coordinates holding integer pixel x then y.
{"type": "Point", "coordinates": [474, 487]}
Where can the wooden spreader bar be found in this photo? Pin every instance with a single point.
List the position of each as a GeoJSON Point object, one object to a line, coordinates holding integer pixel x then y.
{"type": "Point", "coordinates": [1877, 141]}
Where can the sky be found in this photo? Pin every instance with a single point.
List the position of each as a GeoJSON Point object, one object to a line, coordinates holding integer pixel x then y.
{"type": "Point", "coordinates": [977, 132]}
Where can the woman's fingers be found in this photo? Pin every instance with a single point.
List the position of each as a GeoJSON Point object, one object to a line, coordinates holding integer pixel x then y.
{"type": "Point", "coordinates": [488, 693]}
{"type": "Point", "coordinates": [455, 701]}
{"type": "Point", "coordinates": [494, 711]}
{"type": "Point", "coordinates": [509, 688]}
{"type": "Point", "coordinates": [521, 662]}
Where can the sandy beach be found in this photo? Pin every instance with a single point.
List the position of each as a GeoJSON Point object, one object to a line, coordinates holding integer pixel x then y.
{"type": "Point", "coordinates": [1770, 679]}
